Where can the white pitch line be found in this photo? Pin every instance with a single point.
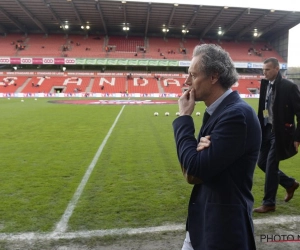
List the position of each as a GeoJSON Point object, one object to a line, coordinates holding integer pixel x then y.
{"type": "Point", "coordinates": [274, 220]}
{"type": "Point", "coordinates": [61, 226]}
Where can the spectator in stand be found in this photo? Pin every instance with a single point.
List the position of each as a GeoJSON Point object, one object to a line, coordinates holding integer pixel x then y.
{"type": "Point", "coordinates": [129, 76]}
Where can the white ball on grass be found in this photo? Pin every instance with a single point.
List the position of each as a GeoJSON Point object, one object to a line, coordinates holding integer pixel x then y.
{"type": "Point", "coordinates": [155, 113]}
{"type": "Point", "coordinates": [167, 114]}
{"type": "Point", "coordinates": [197, 113]}
{"type": "Point", "coordinates": [177, 113]}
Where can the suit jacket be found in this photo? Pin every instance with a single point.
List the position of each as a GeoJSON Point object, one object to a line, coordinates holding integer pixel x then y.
{"type": "Point", "coordinates": [286, 106]}
{"type": "Point", "coordinates": [220, 209]}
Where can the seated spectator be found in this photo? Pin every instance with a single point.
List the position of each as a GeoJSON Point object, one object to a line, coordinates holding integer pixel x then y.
{"type": "Point", "coordinates": [65, 48]}
{"type": "Point", "coordinates": [258, 53]}
{"type": "Point", "coordinates": [183, 50]}
{"type": "Point", "coordinates": [129, 76]}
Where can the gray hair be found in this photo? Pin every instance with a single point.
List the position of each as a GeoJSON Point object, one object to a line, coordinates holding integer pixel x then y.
{"type": "Point", "coordinates": [215, 60]}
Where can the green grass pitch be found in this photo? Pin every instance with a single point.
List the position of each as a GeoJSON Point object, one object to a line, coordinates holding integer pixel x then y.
{"type": "Point", "coordinates": [46, 149]}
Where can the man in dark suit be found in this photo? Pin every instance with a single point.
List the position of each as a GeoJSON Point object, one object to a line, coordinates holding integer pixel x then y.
{"type": "Point", "coordinates": [221, 162]}
{"type": "Point", "coordinates": [279, 102]}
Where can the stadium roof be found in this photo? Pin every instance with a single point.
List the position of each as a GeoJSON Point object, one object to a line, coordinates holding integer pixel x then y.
{"type": "Point", "coordinates": [143, 19]}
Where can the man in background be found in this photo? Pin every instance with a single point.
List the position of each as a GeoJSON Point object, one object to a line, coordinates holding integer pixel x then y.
{"type": "Point", "coordinates": [221, 162]}
{"type": "Point", "coordinates": [279, 103]}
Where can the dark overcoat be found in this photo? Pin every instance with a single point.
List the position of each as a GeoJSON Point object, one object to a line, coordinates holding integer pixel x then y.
{"type": "Point", "coordinates": [286, 107]}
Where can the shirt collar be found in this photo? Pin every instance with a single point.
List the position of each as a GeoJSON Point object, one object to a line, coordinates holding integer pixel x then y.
{"type": "Point", "coordinates": [216, 103]}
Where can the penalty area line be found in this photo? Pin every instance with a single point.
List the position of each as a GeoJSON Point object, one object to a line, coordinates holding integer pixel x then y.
{"type": "Point", "coordinates": [63, 223]}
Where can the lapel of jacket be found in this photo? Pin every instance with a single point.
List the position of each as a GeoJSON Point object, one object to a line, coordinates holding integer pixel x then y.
{"type": "Point", "coordinates": [231, 98]}
{"type": "Point", "coordinates": [277, 85]}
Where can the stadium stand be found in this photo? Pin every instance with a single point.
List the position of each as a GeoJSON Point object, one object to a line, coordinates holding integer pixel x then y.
{"type": "Point", "coordinates": [168, 48]}
{"type": "Point", "coordinates": [82, 46]}
{"type": "Point", "coordinates": [9, 43]}
{"type": "Point", "coordinates": [126, 44]}
{"type": "Point", "coordinates": [247, 86]}
{"type": "Point", "coordinates": [52, 84]}
{"type": "Point", "coordinates": [46, 46]}
{"type": "Point", "coordinates": [143, 85]}
{"type": "Point", "coordinates": [173, 85]}
{"type": "Point", "coordinates": [42, 84]}
{"type": "Point", "coordinates": [79, 46]}
{"type": "Point", "coordinates": [11, 84]}
{"type": "Point", "coordinates": [109, 84]}
{"type": "Point", "coordinates": [76, 84]}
